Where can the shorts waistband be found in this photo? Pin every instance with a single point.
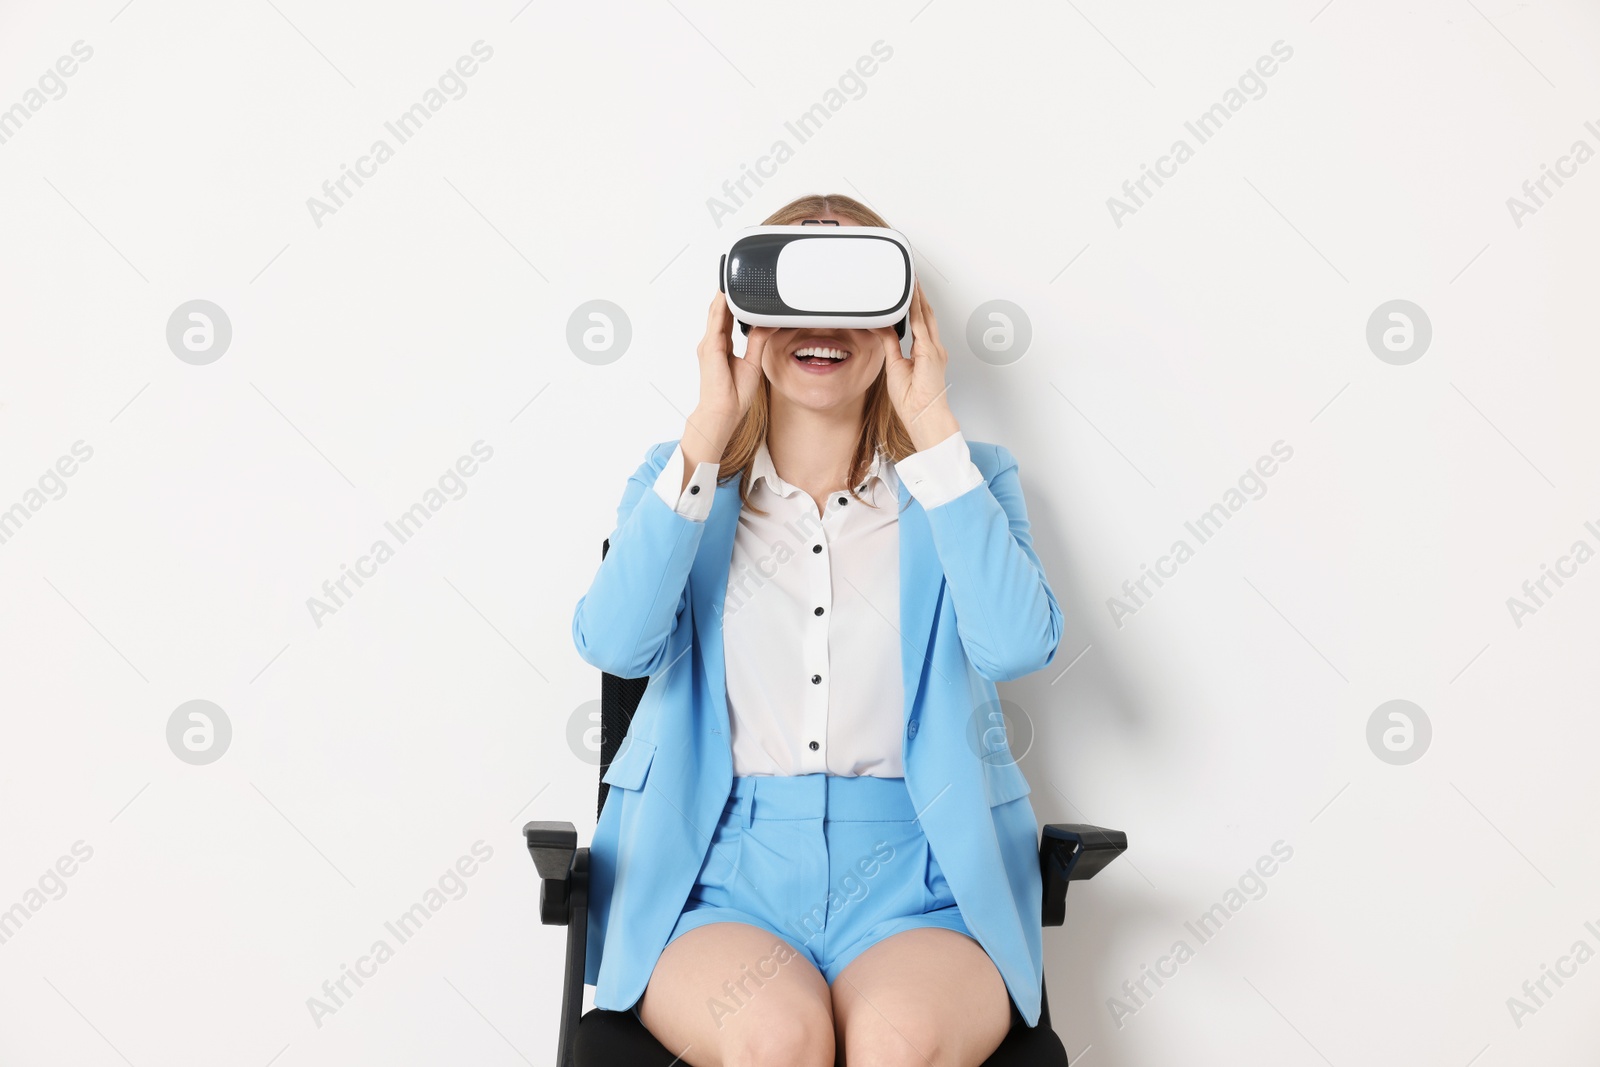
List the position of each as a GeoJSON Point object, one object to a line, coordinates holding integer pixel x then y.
{"type": "Point", "coordinates": [836, 797]}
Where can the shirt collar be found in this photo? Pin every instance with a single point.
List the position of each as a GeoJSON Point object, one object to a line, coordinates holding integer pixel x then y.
{"type": "Point", "coordinates": [880, 468]}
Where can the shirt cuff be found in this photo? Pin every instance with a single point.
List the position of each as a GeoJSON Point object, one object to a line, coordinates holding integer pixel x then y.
{"type": "Point", "coordinates": [938, 474]}
{"type": "Point", "coordinates": [694, 502]}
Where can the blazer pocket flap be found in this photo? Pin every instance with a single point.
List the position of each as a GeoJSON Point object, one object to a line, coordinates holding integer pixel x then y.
{"type": "Point", "coordinates": [1003, 782]}
{"type": "Point", "coordinates": [628, 769]}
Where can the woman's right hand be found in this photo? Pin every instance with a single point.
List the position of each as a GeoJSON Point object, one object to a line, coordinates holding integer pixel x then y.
{"type": "Point", "coordinates": [728, 384]}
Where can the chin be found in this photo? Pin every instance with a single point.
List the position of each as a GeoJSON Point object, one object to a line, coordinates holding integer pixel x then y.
{"type": "Point", "coordinates": [821, 397]}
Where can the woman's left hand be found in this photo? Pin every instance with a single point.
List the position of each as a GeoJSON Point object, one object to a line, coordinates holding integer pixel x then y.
{"type": "Point", "coordinates": [916, 386]}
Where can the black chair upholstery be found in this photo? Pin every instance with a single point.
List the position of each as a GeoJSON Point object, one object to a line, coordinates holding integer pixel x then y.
{"type": "Point", "coordinates": [616, 1038]}
{"type": "Point", "coordinates": [601, 1038]}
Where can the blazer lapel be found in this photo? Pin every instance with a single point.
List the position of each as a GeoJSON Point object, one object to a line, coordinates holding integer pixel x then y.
{"type": "Point", "coordinates": [708, 589]}
{"type": "Point", "coordinates": [921, 578]}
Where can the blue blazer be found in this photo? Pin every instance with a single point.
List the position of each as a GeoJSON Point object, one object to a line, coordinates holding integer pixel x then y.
{"type": "Point", "coordinates": [975, 609]}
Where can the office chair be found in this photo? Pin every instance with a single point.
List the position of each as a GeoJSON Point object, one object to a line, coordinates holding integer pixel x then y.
{"type": "Point", "coordinates": [1068, 852]}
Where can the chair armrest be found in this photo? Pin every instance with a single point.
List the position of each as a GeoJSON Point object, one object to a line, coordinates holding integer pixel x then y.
{"type": "Point", "coordinates": [563, 901]}
{"type": "Point", "coordinates": [1070, 852]}
{"type": "Point", "coordinates": [563, 869]}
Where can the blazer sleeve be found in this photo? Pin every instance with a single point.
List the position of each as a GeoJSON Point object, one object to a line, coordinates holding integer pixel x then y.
{"type": "Point", "coordinates": [1006, 614]}
{"type": "Point", "coordinates": [622, 624]}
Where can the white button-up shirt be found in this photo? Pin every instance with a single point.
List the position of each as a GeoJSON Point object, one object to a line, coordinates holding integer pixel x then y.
{"type": "Point", "coordinates": [811, 618]}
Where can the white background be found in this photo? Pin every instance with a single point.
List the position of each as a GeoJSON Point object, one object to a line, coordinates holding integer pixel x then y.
{"type": "Point", "coordinates": [429, 312]}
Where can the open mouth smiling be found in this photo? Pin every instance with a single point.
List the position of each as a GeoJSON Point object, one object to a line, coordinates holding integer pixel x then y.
{"type": "Point", "coordinates": [823, 354]}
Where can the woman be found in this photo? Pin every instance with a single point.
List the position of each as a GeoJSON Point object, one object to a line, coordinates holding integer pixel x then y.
{"type": "Point", "coordinates": [773, 889]}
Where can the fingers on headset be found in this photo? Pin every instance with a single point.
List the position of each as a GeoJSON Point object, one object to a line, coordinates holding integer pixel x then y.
{"type": "Point", "coordinates": [889, 341]}
{"type": "Point", "coordinates": [928, 318]}
{"type": "Point", "coordinates": [918, 324]}
{"type": "Point", "coordinates": [760, 338]}
{"type": "Point", "coordinates": [717, 317]}
{"type": "Point", "coordinates": [922, 320]}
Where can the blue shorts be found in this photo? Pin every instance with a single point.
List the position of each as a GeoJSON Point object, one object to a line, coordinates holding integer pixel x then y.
{"type": "Point", "coordinates": [830, 864]}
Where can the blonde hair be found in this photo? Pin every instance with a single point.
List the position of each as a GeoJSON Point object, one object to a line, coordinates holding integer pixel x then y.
{"type": "Point", "coordinates": [881, 427]}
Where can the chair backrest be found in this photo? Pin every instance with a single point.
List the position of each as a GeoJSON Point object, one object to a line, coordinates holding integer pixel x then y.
{"type": "Point", "coordinates": [619, 698]}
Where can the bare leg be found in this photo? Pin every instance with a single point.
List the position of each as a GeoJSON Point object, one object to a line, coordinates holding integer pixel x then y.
{"type": "Point", "coordinates": [925, 996]}
{"type": "Point", "coordinates": [729, 994]}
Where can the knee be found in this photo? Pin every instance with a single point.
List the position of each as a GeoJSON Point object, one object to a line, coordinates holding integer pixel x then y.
{"type": "Point", "coordinates": [912, 1039]}
{"type": "Point", "coordinates": [800, 1039]}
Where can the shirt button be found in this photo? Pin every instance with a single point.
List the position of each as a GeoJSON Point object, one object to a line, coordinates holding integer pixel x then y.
{"type": "Point", "coordinates": [693, 489]}
{"type": "Point", "coordinates": [816, 679]}
{"type": "Point", "coordinates": [817, 612]}
{"type": "Point", "coordinates": [813, 746]}
{"type": "Point", "coordinates": [816, 548]}
{"type": "Point", "coordinates": [843, 501]}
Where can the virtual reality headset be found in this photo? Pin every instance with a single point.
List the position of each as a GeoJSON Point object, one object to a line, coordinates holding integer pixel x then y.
{"type": "Point", "coordinates": [822, 275]}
